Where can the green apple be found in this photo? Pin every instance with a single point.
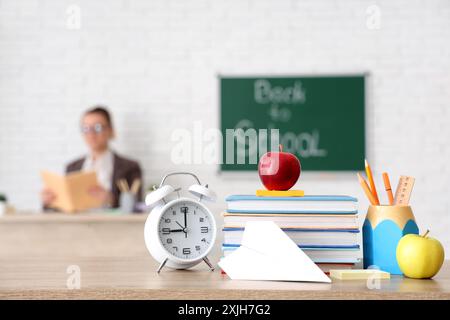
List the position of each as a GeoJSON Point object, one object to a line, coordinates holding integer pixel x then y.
{"type": "Point", "coordinates": [419, 257]}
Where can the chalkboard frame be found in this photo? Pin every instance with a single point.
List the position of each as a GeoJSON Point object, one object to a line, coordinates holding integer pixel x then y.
{"type": "Point", "coordinates": [365, 75]}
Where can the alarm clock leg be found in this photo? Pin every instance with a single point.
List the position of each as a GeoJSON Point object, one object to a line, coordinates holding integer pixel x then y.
{"type": "Point", "coordinates": [162, 265]}
{"type": "Point", "coordinates": [208, 263]}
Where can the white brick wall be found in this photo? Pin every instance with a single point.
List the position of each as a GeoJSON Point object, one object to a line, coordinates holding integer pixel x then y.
{"type": "Point", "coordinates": [155, 63]}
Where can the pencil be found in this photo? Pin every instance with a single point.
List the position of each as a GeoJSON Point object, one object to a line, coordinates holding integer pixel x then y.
{"type": "Point", "coordinates": [373, 189]}
{"type": "Point", "coordinates": [366, 189]}
{"type": "Point", "coordinates": [124, 185]}
{"type": "Point", "coordinates": [387, 186]}
{"type": "Point", "coordinates": [119, 185]}
{"type": "Point", "coordinates": [135, 186]}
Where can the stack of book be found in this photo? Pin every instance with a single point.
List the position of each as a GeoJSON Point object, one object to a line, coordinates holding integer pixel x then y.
{"type": "Point", "coordinates": [325, 227]}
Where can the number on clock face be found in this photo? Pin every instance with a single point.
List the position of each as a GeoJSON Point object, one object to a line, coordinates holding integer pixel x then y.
{"type": "Point", "coordinates": [185, 230]}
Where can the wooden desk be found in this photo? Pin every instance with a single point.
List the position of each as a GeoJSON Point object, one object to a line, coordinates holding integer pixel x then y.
{"type": "Point", "coordinates": [135, 278]}
{"type": "Point", "coordinates": [111, 269]}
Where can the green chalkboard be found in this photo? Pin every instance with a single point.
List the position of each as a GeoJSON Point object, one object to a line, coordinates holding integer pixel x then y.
{"type": "Point", "coordinates": [319, 118]}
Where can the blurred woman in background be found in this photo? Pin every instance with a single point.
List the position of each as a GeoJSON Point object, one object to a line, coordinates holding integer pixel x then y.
{"type": "Point", "coordinates": [97, 130]}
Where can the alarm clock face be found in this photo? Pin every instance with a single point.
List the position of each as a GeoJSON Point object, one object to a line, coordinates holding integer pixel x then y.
{"type": "Point", "coordinates": [186, 229]}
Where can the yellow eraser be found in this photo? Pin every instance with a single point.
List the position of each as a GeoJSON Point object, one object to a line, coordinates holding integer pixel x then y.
{"type": "Point", "coordinates": [277, 193]}
{"type": "Point", "coordinates": [359, 274]}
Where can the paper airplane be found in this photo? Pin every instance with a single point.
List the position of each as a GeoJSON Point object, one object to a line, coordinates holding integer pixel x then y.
{"type": "Point", "coordinates": [267, 253]}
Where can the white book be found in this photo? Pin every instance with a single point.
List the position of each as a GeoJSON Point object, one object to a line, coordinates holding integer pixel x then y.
{"type": "Point", "coordinates": [322, 255]}
{"type": "Point", "coordinates": [307, 221]}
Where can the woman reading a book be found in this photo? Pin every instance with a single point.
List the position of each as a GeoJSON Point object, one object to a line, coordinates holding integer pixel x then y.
{"type": "Point", "coordinates": [97, 130]}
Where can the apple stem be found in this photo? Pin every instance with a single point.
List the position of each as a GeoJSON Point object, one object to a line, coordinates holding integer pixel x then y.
{"type": "Point", "coordinates": [280, 147]}
{"type": "Point", "coordinates": [426, 233]}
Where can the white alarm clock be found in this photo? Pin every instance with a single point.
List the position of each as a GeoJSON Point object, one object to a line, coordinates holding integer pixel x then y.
{"type": "Point", "coordinates": [179, 233]}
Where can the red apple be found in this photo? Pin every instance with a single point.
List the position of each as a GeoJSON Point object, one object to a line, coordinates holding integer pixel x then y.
{"type": "Point", "coordinates": [279, 170]}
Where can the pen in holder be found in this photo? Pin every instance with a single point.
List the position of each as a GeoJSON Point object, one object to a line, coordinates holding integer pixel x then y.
{"type": "Point", "coordinates": [128, 196]}
{"type": "Point", "coordinates": [383, 228]}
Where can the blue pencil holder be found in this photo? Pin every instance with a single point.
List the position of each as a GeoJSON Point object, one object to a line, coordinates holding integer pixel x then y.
{"type": "Point", "coordinates": [383, 228]}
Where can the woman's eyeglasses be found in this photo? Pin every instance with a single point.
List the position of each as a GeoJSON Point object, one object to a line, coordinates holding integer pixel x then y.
{"type": "Point", "coordinates": [96, 128]}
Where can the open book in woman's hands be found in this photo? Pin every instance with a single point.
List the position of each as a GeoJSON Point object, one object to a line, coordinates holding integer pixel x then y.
{"type": "Point", "coordinates": [73, 191]}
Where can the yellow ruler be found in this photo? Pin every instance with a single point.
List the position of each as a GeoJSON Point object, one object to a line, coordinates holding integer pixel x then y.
{"type": "Point", "coordinates": [404, 190]}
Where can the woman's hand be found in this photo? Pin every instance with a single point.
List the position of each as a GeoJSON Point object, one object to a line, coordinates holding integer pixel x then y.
{"type": "Point", "coordinates": [103, 195]}
{"type": "Point", "coordinates": [47, 196]}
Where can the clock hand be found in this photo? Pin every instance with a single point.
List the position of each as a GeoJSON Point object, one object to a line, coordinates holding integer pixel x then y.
{"type": "Point", "coordinates": [185, 223]}
{"type": "Point", "coordinates": [184, 229]}
{"type": "Point", "coordinates": [177, 230]}
{"type": "Point", "coordinates": [181, 226]}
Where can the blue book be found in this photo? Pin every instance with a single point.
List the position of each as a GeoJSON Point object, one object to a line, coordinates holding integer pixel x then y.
{"type": "Point", "coordinates": [316, 204]}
